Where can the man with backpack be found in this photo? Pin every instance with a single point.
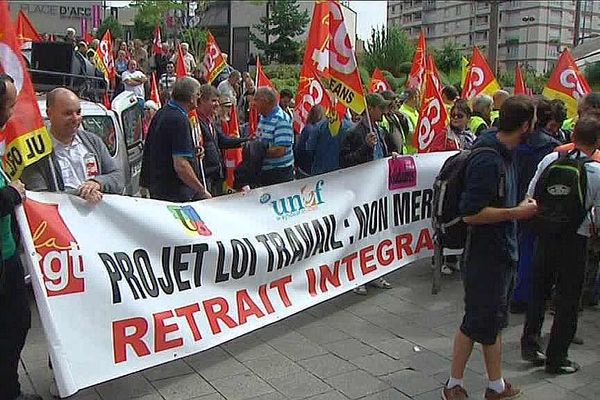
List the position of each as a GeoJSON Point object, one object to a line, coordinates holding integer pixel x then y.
{"type": "Point", "coordinates": [566, 186]}
{"type": "Point", "coordinates": [488, 205]}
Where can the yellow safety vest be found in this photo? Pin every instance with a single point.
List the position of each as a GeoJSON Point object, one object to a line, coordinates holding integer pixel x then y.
{"type": "Point", "coordinates": [494, 115]}
{"type": "Point", "coordinates": [569, 124]}
{"type": "Point", "coordinates": [412, 116]}
{"type": "Point", "coordinates": [475, 122]}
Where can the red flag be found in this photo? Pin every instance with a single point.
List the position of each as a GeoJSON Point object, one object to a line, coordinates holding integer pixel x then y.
{"type": "Point", "coordinates": [480, 78]}
{"type": "Point", "coordinates": [435, 75]}
{"type": "Point", "coordinates": [88, 38]}
{"type": "Point", "coordinates": [25, 139]}
{"type": "Point", "coordinates": [180, 71]}
{"type": "Point", "coordinates": [417, 70]}
{"type": "Point", "coordinates": [567, 83]}
{"type": "Point", "coordinates": [157, 41]}
{"type": "Point", "coordinates": [430, 130]}
{"type": "Point", "coordinates": [232, 157]}
{"type": "Point", "coordinates": [520, 87]}
{"type": "Point", "coordinates": [154, 96]}
{"type": "Point", "coordinates": [106, 100]}
{"type": "Point", "coordinates": [378, 82]}
{"type": "Point", "coordinates": [261, 78]}
{"type": "Point", "coordinates": [103, 58]}
{"type": "Point", "coordinates": [25, 30]}
{"type": "Point", "coordinates": [214, 61]}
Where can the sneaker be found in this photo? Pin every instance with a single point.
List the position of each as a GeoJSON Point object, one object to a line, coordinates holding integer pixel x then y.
{"type": "Point", "coordinates": [508, 393]}
{"type": "Point", "coordinates": [534, 356]}
{"type": "Point", "coordinates": [446, 270]}
{"type": "Point", "coordinates": [564, 368]}
{"type": "Point", "coordinates": [24, 396]}
{"type": "Point", "coordinates": [361, 290]}
{"type": "Point", "coordinates": [380, 283]}
{"type": "Point", "coordinates": [455, 393]}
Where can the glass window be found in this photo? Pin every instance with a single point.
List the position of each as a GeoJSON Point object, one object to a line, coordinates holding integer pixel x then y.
{"type": "Point", "coordinates": [132, 125]}
{"type": "Point", "coordinates": [103, 127]}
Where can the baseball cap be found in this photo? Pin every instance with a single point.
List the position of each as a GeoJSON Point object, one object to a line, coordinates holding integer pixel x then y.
{"type": "Point", "coordinates": [377, 100]}
{"type": "Point", "coordinates": [150, 105]}
{"type": "Point", "coordinates": [389, 95]}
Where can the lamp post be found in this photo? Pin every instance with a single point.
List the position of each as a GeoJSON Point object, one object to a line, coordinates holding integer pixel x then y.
{"type": "Point", "coordinates": [527, 19]}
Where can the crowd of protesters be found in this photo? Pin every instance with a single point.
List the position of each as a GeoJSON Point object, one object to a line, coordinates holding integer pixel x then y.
{"type": "Point", "coordinates": [508, 264]}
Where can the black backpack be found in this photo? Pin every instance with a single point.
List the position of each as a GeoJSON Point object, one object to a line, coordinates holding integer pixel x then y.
{"type": "Point", "coordinates": [560, 194]}
{"type": "Point", "coordinates": [450, 231]}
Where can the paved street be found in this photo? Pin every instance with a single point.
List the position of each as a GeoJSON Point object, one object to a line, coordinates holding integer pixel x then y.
{"type": "Point", "coordinates": [391, 344]}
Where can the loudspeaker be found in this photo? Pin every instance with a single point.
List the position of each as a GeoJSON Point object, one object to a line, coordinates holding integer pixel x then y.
{"type": "Point", "coordinates": [51, 56]}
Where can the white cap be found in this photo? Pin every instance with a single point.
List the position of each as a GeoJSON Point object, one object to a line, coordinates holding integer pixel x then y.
{"type": "Point", "coordinates": [151, 104]}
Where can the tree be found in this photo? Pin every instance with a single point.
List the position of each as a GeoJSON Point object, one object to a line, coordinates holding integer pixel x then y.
{"type": "Point", "coordinates": [283, 23]}
{"type": "Point", "coordinates": [448, 57]}
{"type": "Point", "coordinates": [151, 13]}
{"type": "Point", "coordinates": [390, 51]}
{"type": "Point", "coordinates": [111, 23]}
{"type": "Point", "coordinates": [196, 38]}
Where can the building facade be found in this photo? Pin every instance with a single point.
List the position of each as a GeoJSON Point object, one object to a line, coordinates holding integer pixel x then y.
{"type": "Point", "coordinates": [531, 33]}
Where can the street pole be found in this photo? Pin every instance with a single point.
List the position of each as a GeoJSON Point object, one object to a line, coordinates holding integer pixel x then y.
{"type": "Point", "coordinates": [527, 20]}
{"type": "Point", "coordinates": [577, 22]}
{"type": "Point", "coordinates": [493, 37]}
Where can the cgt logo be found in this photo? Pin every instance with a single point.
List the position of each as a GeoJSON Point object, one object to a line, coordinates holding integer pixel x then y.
{"type": "Point", "coordinates": [190, 219]}
{"type": "Point", "coordinates": [59, 255]}
{"type": "Point", "coordinates": [306, 200]}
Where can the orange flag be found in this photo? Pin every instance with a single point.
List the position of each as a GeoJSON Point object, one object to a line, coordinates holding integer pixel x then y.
{"type": "Point", "coordinates": [417, 69]}
{"type": "Point", "coordinates": [567, 83]}
{"type": "Point", "coordinates": [214, 62]}
{"type": "Point", "coordinates": [154, 96]}
{"type": "Point", "coordinates": [180, 71]}
{"type": "Point", "coordinates": [156, 41]}
{"type": "Point", "coordinates": [480, 78]}
{"type": "Point", "coordinates": [378, 82]}
{"type": "Point", "coordinates": [104, 59]}
{"type": "Point", "coordinates": [232, 157]}
{"type": "Point", "coordinates": [262, 80]}
{"type": "Point", "coordinates": [435, 75]}
{"type": "Point", "coordinates": [520, 87]}
{"type": "Point", "coordinates": [430, 131]}
{"type": "Point", "coordinates": [25, 139]}
{"type": "Point", "coordinates": [25, 30]}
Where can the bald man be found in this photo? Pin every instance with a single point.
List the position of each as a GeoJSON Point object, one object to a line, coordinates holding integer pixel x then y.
{"type": "Point", "coordinates": [80, 162]}
{"type": "Point", "coordinates": [498, 97]}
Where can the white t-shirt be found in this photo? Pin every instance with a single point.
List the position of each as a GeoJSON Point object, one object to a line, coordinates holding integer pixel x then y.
{"type": "Point", "coordinates": [592, 196]}
{"type": "Point", "coordinates": [137, 90]}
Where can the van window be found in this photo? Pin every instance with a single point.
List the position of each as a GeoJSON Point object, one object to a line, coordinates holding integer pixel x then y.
{"type": "Point", "coordinates": [103, 127]}
{"type": "Point", "coordinates": [132, 125]}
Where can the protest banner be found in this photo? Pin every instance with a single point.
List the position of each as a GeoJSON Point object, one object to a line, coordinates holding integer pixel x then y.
{"type": "Point", "coordinates": [130, 283]}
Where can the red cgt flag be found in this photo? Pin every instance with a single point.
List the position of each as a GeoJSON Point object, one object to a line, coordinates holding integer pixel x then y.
{"type": "Point", "coordinates": [480, 78]}
{"type": "Point", "coordinates": [213, 62]}
{"type": "Point", "coordinates": [378, 82]}
{"type": "Point", "coordinates": [435, 75]}
{"type": "Point", "coordinates": [25, 29]}
{"type": "Point", "coordinates": [157, 41]}
{"type": "Point", "coordinates": [567, 83]}
{"type": "Point", "coordinates": [25, 139]}
{"type": "Point", "coordinates": [104, 56]}
{"type": "Point", "coordinates": [430, 131]}
{"type": "Point", "coordinates": [520, 87]}
{"type": "Point", "coordinates": [180, 71]}
{"type": "Point", "coordinates": [417, 70]}
{"type": "Point", "coordinates": [154, 96]}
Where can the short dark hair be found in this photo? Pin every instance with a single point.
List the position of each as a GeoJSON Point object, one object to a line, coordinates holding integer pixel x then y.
{"type": "Point", "coordinates": [550, 110]}
{"type": "Point", "coordinates": [590, 101]}
{"type": "Point", "coordinates": [515, 111]}
{"type": "Point", "coordinates": [450, 92]}
{"type": "Point", "coordinates": [286, 93]}
{"type": "Point", "coordinates": [3, 79]}
{"type": "Point", "coordinates": [170, 63]}
{"type": "Point", "coordinates": [462, 105]}
{"type": "Point", "coordinates": [586, 130]}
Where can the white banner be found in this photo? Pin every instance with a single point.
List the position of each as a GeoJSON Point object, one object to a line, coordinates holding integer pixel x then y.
{"type": "Point", "coordinates": [131, 283]}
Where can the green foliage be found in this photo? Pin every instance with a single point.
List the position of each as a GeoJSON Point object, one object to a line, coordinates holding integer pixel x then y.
{"type": "Point", "coordinates": [284, 23]}
{"type": "Point", "coordinates": [151, 13]}
{"type": "Point", "coordinates": [282, 71]}
{"type": "Point", "coordinates": [592, 73]}
{"type": "Point", "coordinates": [196, 38]}
{"type": "Point", "coordinates": [388, 51]}
{"type": "Point", "coordinates": [533, 80]}
{"type": "Point", "coordinates": [111, 24]}
{"type": "Point", "coordinates": [448, 57]}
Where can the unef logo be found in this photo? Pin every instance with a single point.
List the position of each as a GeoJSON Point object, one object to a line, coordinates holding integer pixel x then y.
{"type": "Point", "coordinates": [570, 81]}
{"type": "Point", "coordinates": [306, 200]}
{"type": "Point", "coordinates": [432, 115]}
{"type": "Point", "coordinates": [59, 255]}
{"type": "Point", "coordinates": [190, 220]}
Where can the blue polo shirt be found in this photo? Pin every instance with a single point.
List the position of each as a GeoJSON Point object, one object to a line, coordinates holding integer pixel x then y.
{"type": "Point", "coordinates": [276, 130]}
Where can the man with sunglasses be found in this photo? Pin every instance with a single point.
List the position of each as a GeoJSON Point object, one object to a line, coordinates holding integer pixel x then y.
{"type": "Point", "coordinates": [15, 317]}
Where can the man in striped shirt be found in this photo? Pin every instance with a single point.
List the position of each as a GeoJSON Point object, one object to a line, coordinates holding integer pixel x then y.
{"type": "Point", "coordinates": [274, 129]}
